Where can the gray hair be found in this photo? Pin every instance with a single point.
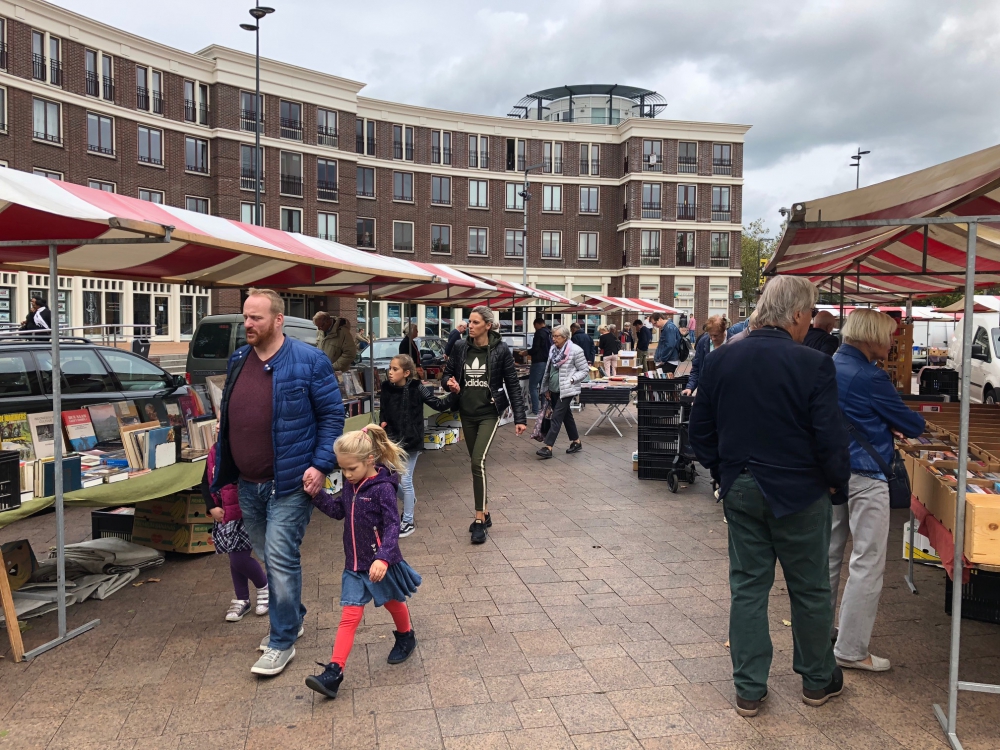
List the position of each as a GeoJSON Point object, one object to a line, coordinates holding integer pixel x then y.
{"type": "Point", "coordinates": [486, 314]}
{"type": "Point", "coordinates": [561, 331]}
{"type": "Point", "coordinates": [784, 296]}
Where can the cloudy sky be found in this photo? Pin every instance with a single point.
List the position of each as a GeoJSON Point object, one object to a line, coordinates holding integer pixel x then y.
{"type": "Point", "coordinates": [914, 82]}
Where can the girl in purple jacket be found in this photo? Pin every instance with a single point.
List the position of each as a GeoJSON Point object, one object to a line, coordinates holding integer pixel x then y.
{"type": "Point", "coordinates": [374, 567]}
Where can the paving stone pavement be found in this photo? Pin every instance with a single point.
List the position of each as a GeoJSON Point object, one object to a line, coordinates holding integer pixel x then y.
{"type": "Point", "coordinates": [594, 617]}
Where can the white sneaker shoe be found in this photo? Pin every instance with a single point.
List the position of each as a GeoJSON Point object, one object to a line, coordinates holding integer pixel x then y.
{"type": "Point", "coordinates": [237, 608]}
{"type": "Point", "coordinates": [265, 643]}
{"type": "Point", "coordinates": [879, 664]}
{"type": "Point", "coordinates": [273, 662]}
{"type": "Point", "coordinates": [262, 598]}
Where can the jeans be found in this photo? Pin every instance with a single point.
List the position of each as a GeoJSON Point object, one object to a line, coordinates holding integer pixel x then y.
{"type": "Point", "coordinates": [611, 364]}
{"type": "Point", "coordinates": [276, 526]}
{"type": "Point", "coordinates": [534, 381]}
{"type": "Point", "coordinates": [561, 413]}
{"type": "Point", "coordinates": [406, 486]}
{"type": "Point", "coordinates": [866, 517]}
{"type": "Point", "coordinates": [800, 541]}
{"type": "Point", "coordinates": [479, 435]}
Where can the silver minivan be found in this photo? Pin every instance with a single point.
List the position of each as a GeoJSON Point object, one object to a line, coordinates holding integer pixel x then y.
{"type": "Point", "coordinates": [218, 336]}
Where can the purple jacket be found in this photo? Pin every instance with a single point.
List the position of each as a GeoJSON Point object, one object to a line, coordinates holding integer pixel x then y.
{"type": "Point", "coordinates": [371, 520]}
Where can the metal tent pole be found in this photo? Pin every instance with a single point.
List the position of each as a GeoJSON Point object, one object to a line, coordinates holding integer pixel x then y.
{"type": "Point", "coordinates": [371, 352]}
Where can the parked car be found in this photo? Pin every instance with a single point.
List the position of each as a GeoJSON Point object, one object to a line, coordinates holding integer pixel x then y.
{"type": "Point", "coordinates": [91, 374]}
{"type": "Point", "coordinates": [431, 352]}
{"type": "Point", "coordinates": [218, 336]}
{"type": "Point", "coordinates": [518, 340]}
{"type": "Point", "coordinates": [984, 379]}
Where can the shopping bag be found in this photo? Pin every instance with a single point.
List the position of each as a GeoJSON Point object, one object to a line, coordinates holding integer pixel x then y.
{"type": "Point", "coordinates": [542, 423]}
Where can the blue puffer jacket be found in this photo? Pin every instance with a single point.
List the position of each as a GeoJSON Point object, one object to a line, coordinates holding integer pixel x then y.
{"type": "Point", "coordinates": [869, 400]}
{"type": "Point", "coordinates": [308, 415]}
{"type": "Point", "coordinates": [701, 350]}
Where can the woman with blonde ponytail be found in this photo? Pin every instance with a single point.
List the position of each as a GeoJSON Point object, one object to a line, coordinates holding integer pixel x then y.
{"type": "Point", "coordinates": [373, 564]}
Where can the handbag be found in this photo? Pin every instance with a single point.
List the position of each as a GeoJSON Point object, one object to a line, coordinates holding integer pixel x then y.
{"type": "Point", "coordinates": [542, 423]}
{"type": "Point", "coordinates": [899, 480]}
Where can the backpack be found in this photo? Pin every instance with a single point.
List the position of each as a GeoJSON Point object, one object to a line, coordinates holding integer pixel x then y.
{"type": "Point", "coordinates": [683, 349]}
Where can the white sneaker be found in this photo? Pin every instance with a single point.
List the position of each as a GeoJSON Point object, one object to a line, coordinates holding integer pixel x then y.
{"type": "Point", "coordinates": [406, 528]}
{"type": "Point", "coordinates": [265, 643]}
{"type": "Point", "coordinates": [237, 608]}
{"type": "Point", "coordinates": [273, 662]}
{"type": "Point", "coordinates": [262, 597]}
{"type": "Point", "coordinates": [879, 664]}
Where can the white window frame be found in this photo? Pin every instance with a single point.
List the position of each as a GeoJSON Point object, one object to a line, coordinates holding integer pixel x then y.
{"type": "Point", "coordinates": [289, 156]}
{"type": "Point", "coordinates": [451, 234]}
{"type": "Point", "coordinates": [50, 173]}
{"type": "Point", "coordinates": [281, 217]}
{"type": "Point", "coordinates": [336, 169]}
{"type": "Point", "coordinates": [263, 167]}
{"type": "Point", "coordinates": [374, 222]}
{"type": "Point", "coordinates": [548, 204]}
{"type": "Point", "coordinates": [99, 185]}
{"type": "Point", "coordinates": [3, 107]}
{"type": "Point", "coordinates": [326, 139]}
{"type": "Point", "coordinates": [440, 202]}
{"type": "Point", "coordinates": [244, 205]}
{"type": "Point", "coordinates": [512, 235]}
{"type": "Point", "coordinates": [208, 203]}
{"type": "Point", "coordinates": [44, 139]}
{"type": "Point", "coordinates": [481, 192]}
{"type": "Point", "coordinates": [711, 245]}
{"type": "Point", "coordinates": [374, 184]}
{"type": "Point", "coordinates": [100, 117]}
{"type": "Point", "coordinates": [597, 246]}
{"type": "Point", "coordinates": [336, 225]}
{"type": "Point", "coordinates": [282, 128]}
{"type": "Point", "coordinates": [597, 202]}
{"type": "Point", "coordinates": [208, 156]}
{"type": "Point", "coordinates": [552, 234]}
{"type": "Point", "coordinates": [412, 236]}
{"type": "Point", "coordinates": [404, 199]}
{"type": "Point", "coordinates": [480, 152]}
{"type": "Point", "coordinates": [150, 191]}
{"type": "Point", "coordinates": [486, 242]}
{"type": "Point", "coordinates": [512, 190]}
{"type": "Point", "coordinates": [260, 103]}
{"type": "Point", "coordinates": [646, 242]}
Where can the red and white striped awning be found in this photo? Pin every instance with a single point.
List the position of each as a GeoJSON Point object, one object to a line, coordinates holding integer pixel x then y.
{"type": "Point", "coordinates": [204, 250]}
{"type": "Point", "coordinates": [448, 286]}
{"type": "Point", "coordinates": [981, 303]}
{"type": "Point", "coordinates": [892, 260]}
{"type": "Point", "coordinates": [626, 304]}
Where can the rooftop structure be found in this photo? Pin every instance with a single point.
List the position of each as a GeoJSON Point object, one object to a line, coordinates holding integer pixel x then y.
{"type": "Point", "coordinates": [593, 103]}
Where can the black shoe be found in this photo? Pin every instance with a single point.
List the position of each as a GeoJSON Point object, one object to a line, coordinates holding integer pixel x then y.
{"type": "Point", "coordinates": [819, 697]}
{"type": "Point", "coordinates": [489, 523]}
{"type": "Point", "coordinates": [575, 447]}
{"type": "Point", "coordinates": [405, 643]}
{"type": "Point", "coordinates": [833, 637]}
{"type": "Point", "coordinates": [748, 708]}
{"type": "Point", "coordinates": [327, 683]}
{"type": "Point", "coordinates": [544, 452]}
{"type": "Point", "coordinates": [478, 532]}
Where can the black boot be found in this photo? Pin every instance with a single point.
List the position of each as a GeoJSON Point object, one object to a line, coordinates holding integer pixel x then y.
{"type": "Point", "coordinates": [405, 643]}
{"type": "Point", "coordinates": [327, 683]}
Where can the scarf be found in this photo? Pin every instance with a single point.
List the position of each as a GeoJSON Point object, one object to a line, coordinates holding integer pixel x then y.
{"type": "Point", "coordinates": [39, 320]}
{"type": "Point", "coordinates": [559, 356]}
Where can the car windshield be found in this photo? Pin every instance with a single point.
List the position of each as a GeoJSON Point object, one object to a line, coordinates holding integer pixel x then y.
{"type": "Point", "coordinates": [212, 341]}
{"type": "Point", "coordinates": [434, 346]}
{"type": "Point", "coordinates": [383, 349]}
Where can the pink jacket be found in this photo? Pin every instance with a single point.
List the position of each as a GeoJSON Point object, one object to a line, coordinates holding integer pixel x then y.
{"type": "Point", "coordinates": [228, 499]}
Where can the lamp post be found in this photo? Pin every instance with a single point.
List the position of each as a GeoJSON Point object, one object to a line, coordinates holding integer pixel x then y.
{"type": "Point", "coordinates": [258, 12]}
{"type": "Point", "coordinates": [857, 165]}
{"type": "Point", "coordinates": [526, 196]}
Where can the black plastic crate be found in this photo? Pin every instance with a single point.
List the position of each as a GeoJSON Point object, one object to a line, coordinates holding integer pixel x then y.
{"type": "Point", "coordinates": [655, 390]}
{"type": "Point", "coordinates": [658, 416]}
{"type": "Point", "coordinates": [936, 381]}
{"type": "Point", "coordinates": [10, 480]}
{"type": "Point", "coordinates": [668, 441]}
{"type": "Point", "coordinates": [112, 522]}
{"type": "Point", "coordinates": [657, 467]}
{"type": "Point", "coordinates": [980, 596]}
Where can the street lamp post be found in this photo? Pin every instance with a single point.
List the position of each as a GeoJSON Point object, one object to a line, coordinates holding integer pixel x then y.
{"type": "Point", "coordinates": [526, 196]}
{"type": "Point", "coordinates": [258, 12]}
{"type": "Point", "coordinates": [857, 165]}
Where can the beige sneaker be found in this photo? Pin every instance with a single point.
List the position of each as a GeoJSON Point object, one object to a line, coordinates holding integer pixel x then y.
{"type": "Point", "coordinates": [265, 642]}
{"type": "Point", "coordinates": [878, 664]}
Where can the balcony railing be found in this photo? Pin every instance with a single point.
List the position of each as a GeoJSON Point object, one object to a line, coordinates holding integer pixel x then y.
{"type": "Point", "coordinates": [158, 103]}
{"type": "Point", "coordinates": [247, 180]}
{"type": "Point", "coordinates": [291, 128]}
{"type": "Point", "coordinates": [720, 261]}
{"type": "Point", "coordinates": [109, 88]}
{"type": "Point", "coordinates": [291, 185]}
{"type": "Point", "coordinates": [199, 168]}
{"type": "Point", "coordinates": [648, 259]}
{"type": "Point", "coordinates": [595, 166]}
{"type": "Point", "coordinates": [484, 160]}
{"type": "Point", "coordinates": [557, 166]}
{"type": "Point", "coordinates": [403, 247]}
{"type": "Point", "coordinates": [190, 111]}
{"type": "Point", "coordinates": [687, 164]}
{"type": "Point", "coordinates": [402, 196]}
{"type": "Point", "coordinates": [38, 67]}
{"type": "Point", "coordinates": [248, 118]}
{"type": "Point", "coordinates": [521, 164]}
{"type": "Point", "coordinates": [93, 84]}
{"type": "Point", "coordinates": [364, 192]}
{"type": "Point", "coordinates": [359, 144]}
{"type": "Point", "coordinates": [685, 258]}
{"type": "Point", "coordinates": [722, 166]}
{"type": "Point", "coordinates": [48, 137]}
{"type": "Point", "coordinates": [473, 160]}
{"type": "Point", "coordinates": [141, 98]}
{"type": "Point", "coordinates": [326, 191]}
{"type": "Point", "coordinates": [397, 149]}
{"type": "Point", "coordinates": [686, 212]}
{"type": "Point", "coordinates": [3, 55]}
{"type": "Point", "coordinates": [651, 210]}
{"type": "Point", "coordinates": [98, 149]}
{"type": "Point", "coordinates": [649, 164]}
{"type": "Point", "coordinates": [151, 160]}
{"type": "Point", "coordinates": [440, 156]}
{"type": "Point", "coordinates": [371, 147]}
{"type": "Point", "coordinates": [329, 237]}
{"type": "Point", "coordinates": [721, 212]}
{"type": "Point", "coordinates": [326, 136]}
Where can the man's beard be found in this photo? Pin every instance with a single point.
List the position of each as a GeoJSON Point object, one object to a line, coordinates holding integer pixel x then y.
{"type": "Point", "coordinates": [265, 335]}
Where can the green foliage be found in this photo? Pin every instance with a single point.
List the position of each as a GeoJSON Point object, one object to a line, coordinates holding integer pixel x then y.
{"type": "Point", "coordinates": [756, 246]}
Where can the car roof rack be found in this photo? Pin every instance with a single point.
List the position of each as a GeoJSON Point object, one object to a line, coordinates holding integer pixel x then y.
{"type": "Point", "coordinates": [34, 338]}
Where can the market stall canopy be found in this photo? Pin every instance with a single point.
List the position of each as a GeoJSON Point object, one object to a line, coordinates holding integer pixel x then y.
{"type": "Point", "coordinates": [626, 304]}
{"type": "Point", "coordinates": [902, 261]}
{"type": "Point", "coordinates": [448, 285]}
{"type": "Point", "coordinates": [202, 249]}
{"type": "Point", "coordinates": [982, 303]}
{"type": "Point", "coordinates": [513, 294]}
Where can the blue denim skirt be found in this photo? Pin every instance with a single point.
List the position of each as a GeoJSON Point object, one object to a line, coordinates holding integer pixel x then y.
{"type": "Point", "coordinates": [400, 582]}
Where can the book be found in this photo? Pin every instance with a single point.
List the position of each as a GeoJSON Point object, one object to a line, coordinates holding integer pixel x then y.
{"type": "Point", "coordinates": [133, 448]}
{"type": "Point", "coordinates": [45, 477]}
{"type": "Point", "coordinates": [91, 479]}
{"type": "Point", "coordinates": [190, 455]}
{"type": "Point", "coordinates": [152, 410]}
{"type": "Point", "coordinates": [126, 412]}
{"type": "Point", "coordinates": [160, 448]}
{"type": "Point", "coordinates": [105, 422]}
{"type": "Point", "coordinates": [42, 434]}
{"type": "Point", "coordinates": [79, 430]}
{"type": "Point", "coordinates": [215, 384]}
{"type": "Point", "coordinates": [15, 435]}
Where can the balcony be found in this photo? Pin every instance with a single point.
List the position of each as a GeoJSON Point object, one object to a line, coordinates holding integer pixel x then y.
{"type": "Point", "coordinates": [291, 128]}
{"type": "Point", "coordinates": [158, 103]}
{"type": "Point", "coordinates": [38, 67]}
{"type": "Point", "coordinates": [151, 160]}
{"type": "Point", "coordinates": [721, 212]}
{"type": "Point", "coordinates": [98, 149]}
{"type": "Point", "coordinates": [722, 166]}
{"type": "Point", "coordinates": [199, 168]}
{"type": "Point", "coordinates": [93, 84]}
{"type": "Point", "coordinates": [652, 163]}
{"type": "Point", "coordinates": [720, 261]}
{"type": "Point", "coordinates": [686, 212]}
{"type": "Point", "coordinates": [687, 164]}
{"type": "Point", "coordinates": [247, 180]}
{"type": "Point", "coordinates": [48, 137]}
{"type": "Point", "coordinates": [440, 156]}
{"type": "Point", "coordinates": [359, 144]}
{"type": "Point", "coordinates": [109, 89]}
{"type": "Point", "coordinates": [685, 258]}
{"type": "Point", "coordinates": [651, 210]}
{"type": "Point", "coordinates": [649, 259]}
{"type": "Point", "coordinates": [291, 185]}
{"type": "Point", "coordinates": [190, 111]}
{"type": "Point", "coordinates": [326, 136]}
{"type": "Point", "coordinates": [326, 191]}
{"type": "Point", "coordinates": [141, 98]}
{"type": "Point", "coordinates": [248, 118]}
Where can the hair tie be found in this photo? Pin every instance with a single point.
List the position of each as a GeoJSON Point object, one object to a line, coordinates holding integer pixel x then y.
{"type": "Point", "coordinates": [365, 429]}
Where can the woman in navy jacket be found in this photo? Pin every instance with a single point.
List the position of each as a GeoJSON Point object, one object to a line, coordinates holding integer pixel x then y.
{"type": "Point", "coordinates": [871, 405]}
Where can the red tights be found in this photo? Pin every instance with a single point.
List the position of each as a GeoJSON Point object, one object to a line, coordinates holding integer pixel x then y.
{"type": "Point", "coordinates": [350, 619]}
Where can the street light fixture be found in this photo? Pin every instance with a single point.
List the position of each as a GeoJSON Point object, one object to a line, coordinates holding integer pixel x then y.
{"type": "Point", "coordinates": [857, 165]}
{"type": "Point", "coordinates": [526, 196]}
{"type": "Point", "coordinates": [258, 12]}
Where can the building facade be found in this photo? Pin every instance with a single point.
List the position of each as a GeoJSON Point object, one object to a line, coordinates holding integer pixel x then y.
{"type": "Point", "coordinates": [641, 207]}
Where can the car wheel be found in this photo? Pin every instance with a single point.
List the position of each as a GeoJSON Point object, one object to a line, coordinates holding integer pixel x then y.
{"type": "Point", "coordinates": [990, 397]}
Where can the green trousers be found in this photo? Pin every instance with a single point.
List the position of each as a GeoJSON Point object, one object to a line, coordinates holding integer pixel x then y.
{"type": "Point", "coordinates": [801, 543]}
{"type": "Point", "coordinates": [479, 434]}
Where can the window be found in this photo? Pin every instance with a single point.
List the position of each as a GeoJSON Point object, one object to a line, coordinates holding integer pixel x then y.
{"type": "Point", "coordinates": [190, 105]}
{"type": "Point", "coordinates": [248, 110]}
{"type": "Point", "coordinates": [366, 182]}
{"type": "Point", "coordinates": [402, 236]}
{"type": "Point", "coordinates": [514, 243]}
{"type": "Point", "coordinates": [55, 64]}
{"type": "Point", "coordinates": [440, 147]}
{"type": "Point", "coordinates": [588, 245]}
{"type": "Point", "coordinates": [552, 158]}
{"type": "Point", "coordinates": [107, 187]}
{"type": "Point", "coordinates": [291, 173]}
{"type": "Point", "coordinates": [687, 202]}
{"type": "Point", "coordinates": [142, 88]}
{"type": "Point", "coordinates": [47, 173]}
{"type": "Point", "coordinates": [3, 102]}
{"type": "Point", "coordinates": [248, 168]}
{"type": "Point", "coordinates": [100, 134]}
{"type": "Point", "coordinates": [651, 207]}
{"type": "Point", "coordinates": [366, 232]}
{"type": "Point", "coordinates": [552, 197]}
{"type": "Point", "coordinates": [477, 241]}
{"type": "Point", "coordinates": [551, 244]}
{"type": "Point", "coordinates": [584, 158]}
{"type": "Point", "coordinates": [326, 127]}
{"type": "Point", "coordinates": [135, 373]}
{"type": "Point", "coordinates": [441, 239]}
{"type": "Point", "coordinates": [153, 196]}
{"type": "Point", "coordinates": [722, 158]}
{"type": "Point", "coordinates": [440, 190]}
{"type": "Point", "coordinates": [402, 142]}
{"type": "Point", "coordinates": [326, 226]}
{"type": "Point", "coordinates": [290, 114]}
{"type": "Point", "coordinates": [652, 156]}
{"type": "Point", "coordinates": [718, 296]}
{"type": "Point", "coordinates": [479, 151]}
{"type": "Point", "coordinates": [685, 248]}
{"type": "Point", "coordinates": [3, 44]}
{"type": "Point", "coordinates": [291, 220]}
{"type": "Point", "coordinates": [200, 205]}
{"type": "Point", "coordinates": [515, 201]}
{"type": "Point", "coordinates": [93, 77]}
{"type": "Point", "coordinates": [47, 125]}
{"type": "Point", "coordinates": [687, 157]}
{"type": "Point", "coordinates": [156, 80]}
{"type": "Point", "coordinates": [720, 249]}
{"type": "Point", "coordinates": [82, 372]}
{"type": "Point", "coordinates": [202, 104]}
{"type": "Point", "coordinates": [720, 204]}
{"type": "Point", "coordinates": [650, 247]}
{"type": "Point", "coordinates": [684, 294]}
{"type": "Point", "coordinates": [402, 186]}
{"type": "Point", "coordinates": [516, 154]}
{"type": "Point", "coordinates": [247, 214]}
{"type": "Point", "coordinates": [473, 151]}
{"type": "Point", "coordinates": [365, 137]}
{"type": "Point", "coordinates": [589, 200]}
{"type": "Point", "coordinates": [478, 193]}
{"type": "Point", "coordinates": [590, 159]}
{"type": "Point", "coordinates": [326, 179]}
{"type": "Point", "coordinates": [196, 155]}
{"type": "Point", "coordinates": [107, 78]}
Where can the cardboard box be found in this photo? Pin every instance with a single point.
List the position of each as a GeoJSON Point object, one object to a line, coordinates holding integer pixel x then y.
{"type": "Point", "coordinates": [434, 440]}
{"type": "Point", "coordinates": [982, 515]}
{"type": "Point", "coordinates": [451, 436]}
{"type": "Point", "coordinates": [444, 419]}
{"type": "Point", "coordinates": [184, 507]}
{"type": "Point", "coordinates": [923, 552]}
{"type": "Point", "coordinates": [334, 482]}
{"type": "Point", "coordinates": [187, 538]}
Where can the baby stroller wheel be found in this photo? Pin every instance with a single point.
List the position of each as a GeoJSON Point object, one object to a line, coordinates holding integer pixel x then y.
{"type": "Point", "coordinates": [691, 474]}
{"type": "Point", "coordinates": [672, 484]}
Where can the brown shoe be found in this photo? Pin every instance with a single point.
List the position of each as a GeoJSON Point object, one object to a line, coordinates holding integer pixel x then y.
{"type": "Point", "coordinates": [749, 708]}
{"type": "Point", "coordinates": [819, 697]}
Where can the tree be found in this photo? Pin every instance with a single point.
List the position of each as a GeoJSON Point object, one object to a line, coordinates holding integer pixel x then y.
{"type": "Point", "coordinates": [755, 247]}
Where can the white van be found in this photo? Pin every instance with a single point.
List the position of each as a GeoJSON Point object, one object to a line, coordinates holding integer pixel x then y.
{"type": "Point", "coordinates": [984, 380]}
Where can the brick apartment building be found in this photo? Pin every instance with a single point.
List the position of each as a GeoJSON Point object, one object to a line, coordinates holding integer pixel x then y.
{"type": "Point", "coordinates": [625, 203]}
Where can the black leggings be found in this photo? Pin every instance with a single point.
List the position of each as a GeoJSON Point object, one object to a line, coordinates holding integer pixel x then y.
{"type": "Point", "coordinates": [561, 413]}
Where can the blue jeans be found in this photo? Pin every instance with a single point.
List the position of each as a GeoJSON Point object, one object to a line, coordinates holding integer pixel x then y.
{"type": "Point", "coordinates": [534, 381]}
{"type": "Point", "coordinates": [406, 486]}
{"type": "Point", "coordinates": [276, 526]}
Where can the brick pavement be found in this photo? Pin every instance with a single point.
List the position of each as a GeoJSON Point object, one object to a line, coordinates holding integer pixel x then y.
{"type": "Point", "coordinates": [594, 617]}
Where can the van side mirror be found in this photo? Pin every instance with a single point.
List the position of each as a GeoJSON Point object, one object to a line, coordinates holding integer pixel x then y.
{"type": "Point", "coordinates": [979, 352]}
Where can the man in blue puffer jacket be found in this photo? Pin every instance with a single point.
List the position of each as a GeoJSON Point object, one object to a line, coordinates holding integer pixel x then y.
{"type": "Point", "coordinates": [280, 414]}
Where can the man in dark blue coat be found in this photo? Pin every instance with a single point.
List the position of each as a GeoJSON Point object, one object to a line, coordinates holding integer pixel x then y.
{"type": "Point", "coordinates": [583, 340]}
{"type": "Point", "coordinates": [766, 423]}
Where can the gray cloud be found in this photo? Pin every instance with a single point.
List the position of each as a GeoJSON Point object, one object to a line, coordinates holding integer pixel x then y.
{"type": "Point", "coordinates": [912, 82]}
